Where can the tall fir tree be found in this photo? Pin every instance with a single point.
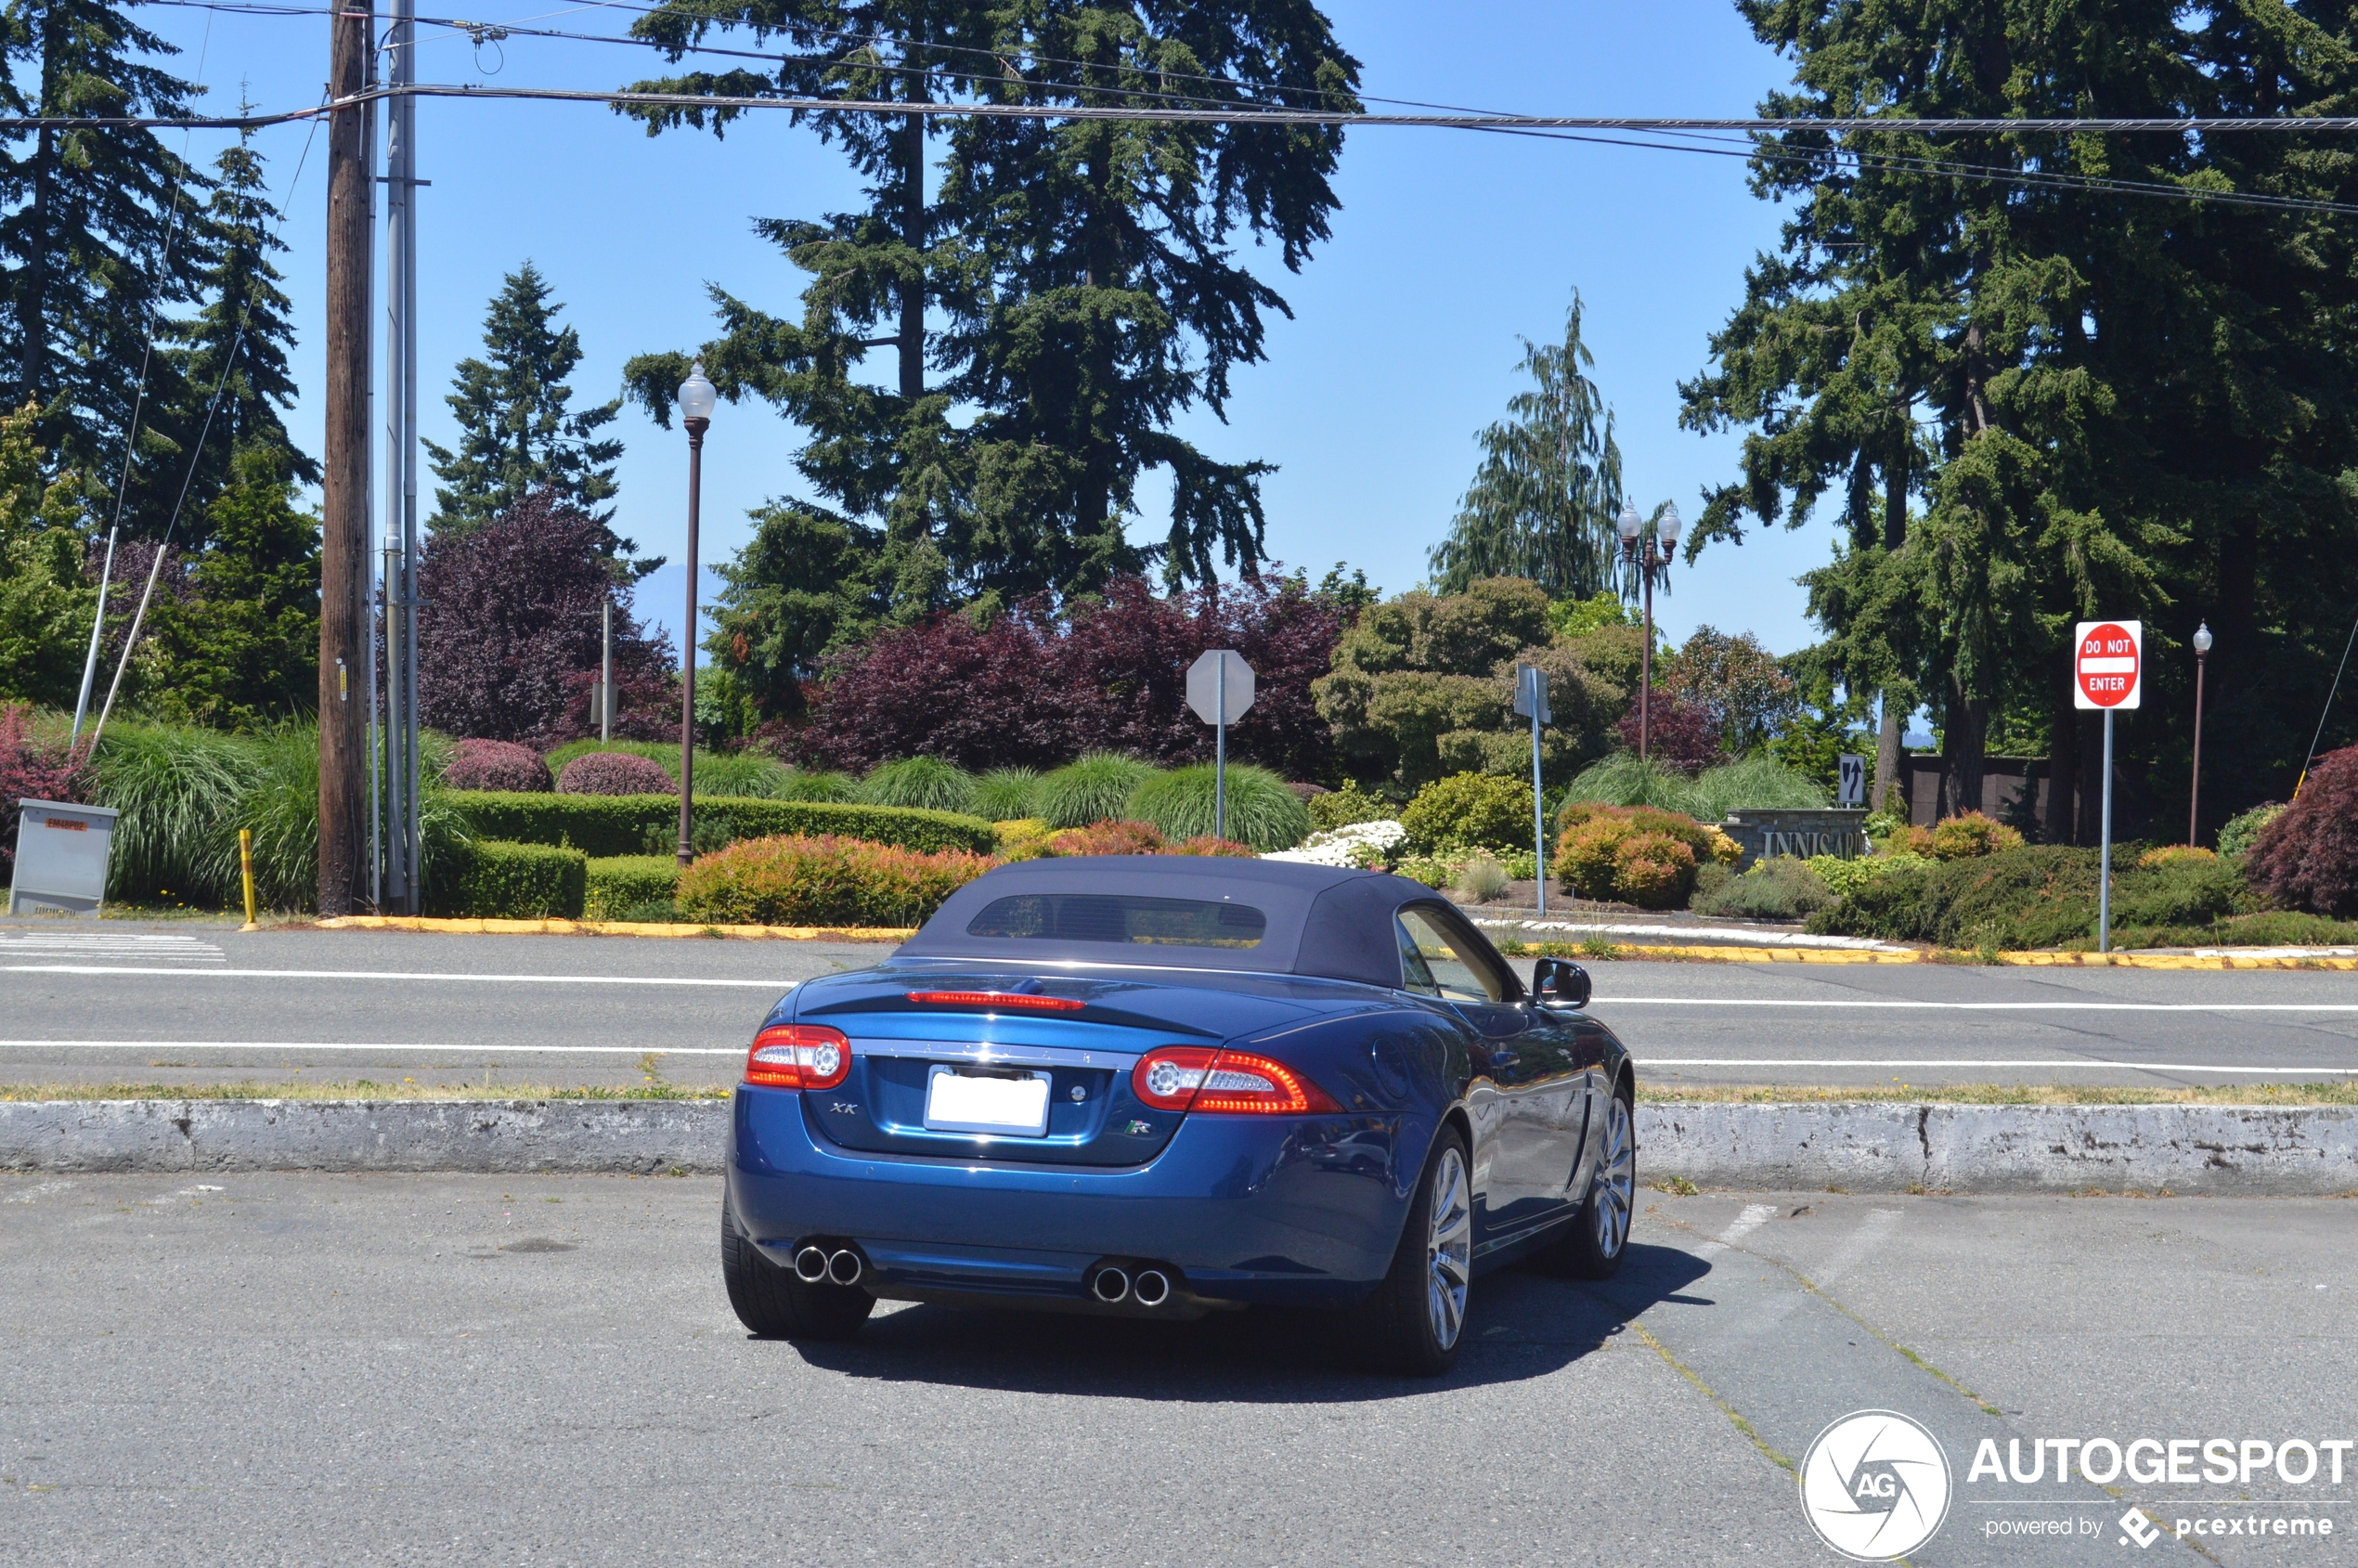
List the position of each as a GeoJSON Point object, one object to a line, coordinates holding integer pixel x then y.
{"type": "Point", "coordinates": [516, 435]}
{"type": "Point", "coordinates": [92, 249]}
{"type": "Point", "coordinates": [1071, 284]}
{"type": "Point", "coordinates": [231, 357]}
{"type": "Point", "coordinates": [1545, 501]}
{"type": "Point", "coordinates": [242, 649]}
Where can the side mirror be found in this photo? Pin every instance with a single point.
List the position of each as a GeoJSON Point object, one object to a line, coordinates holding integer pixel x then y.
{"type": "Point", "coordinates": [1559, 982]}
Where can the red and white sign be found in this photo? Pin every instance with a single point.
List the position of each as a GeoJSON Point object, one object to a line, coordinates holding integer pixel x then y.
{"type": "Point", "coordinates": [2108, 660]}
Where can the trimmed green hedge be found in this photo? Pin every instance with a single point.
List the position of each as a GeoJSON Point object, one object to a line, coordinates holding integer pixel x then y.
{"type": "Point", "coordinates": [491, 880]}
{"type": "Point", "coordinates": [619, 883]}
{"type": "Point", "coordinates": [609, 825]}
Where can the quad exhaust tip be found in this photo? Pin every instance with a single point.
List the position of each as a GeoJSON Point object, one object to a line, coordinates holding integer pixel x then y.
{"type": "Point", "coordinates": [1112, 1285]}
{"type": "Point", "coordinates": [844, 1267]}
{"type": "Point", "coordinates": [1152, 1288]}
{"type": "Point", "coordinates": [814, 1265]}
{"type": "Point", "coordinates": [811, 1266]}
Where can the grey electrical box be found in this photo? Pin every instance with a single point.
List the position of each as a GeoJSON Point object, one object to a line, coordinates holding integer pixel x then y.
{"type": "Point", "coordinates": [62, 858]}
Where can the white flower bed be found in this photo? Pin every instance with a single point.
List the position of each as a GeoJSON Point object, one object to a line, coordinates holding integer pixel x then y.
{"type": "Point", "coordinates": [1355, 845]}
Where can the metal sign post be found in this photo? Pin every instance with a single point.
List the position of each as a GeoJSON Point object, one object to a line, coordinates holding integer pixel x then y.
{"type": "Point", "coordinates": [1220, 691]}
{"type": "Point", "coordinates": [1530, 701]}
{"type": "Point", "coordinates": [2107, 669]}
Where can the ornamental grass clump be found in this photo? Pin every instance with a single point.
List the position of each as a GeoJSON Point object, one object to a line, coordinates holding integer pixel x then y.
{"type": "Point", "coordinates": [926, 783]}
{"type": "Point", "coordinates": [1626, 779]}
{"type": "Point", "coordinates": [1095, 789]}
{"type": "Point", "coordinates": [481, 764]}
{"type": "Point", "coordinates": [1752, 783]}
{"type": "Point", "coordinates": [616, 772]}
{"type": "Point", "coordinates": [827, 881]}
{"type": "Point", "coordinates": [1262, 812]}
{"type": "Point", "coordinates": [1004, 795]}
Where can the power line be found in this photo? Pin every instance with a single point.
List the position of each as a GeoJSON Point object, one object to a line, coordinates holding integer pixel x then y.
{"type": "Point", "coordinates": [1238, 115]}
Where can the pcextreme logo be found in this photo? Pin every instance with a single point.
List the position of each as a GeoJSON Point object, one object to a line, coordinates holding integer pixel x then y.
{"type": "Point", "coordinates": [1875, 1486]}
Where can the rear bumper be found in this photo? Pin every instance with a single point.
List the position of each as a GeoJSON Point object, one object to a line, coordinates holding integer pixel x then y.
{"type": "Point", "coordinates": [1276, 1210]}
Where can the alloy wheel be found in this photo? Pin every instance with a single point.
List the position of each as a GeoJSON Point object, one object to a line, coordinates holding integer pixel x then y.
{"type": "Point", "coordinates": [1449, 1248]}
{"type": "Point", "coordinates": [1616, 1180]}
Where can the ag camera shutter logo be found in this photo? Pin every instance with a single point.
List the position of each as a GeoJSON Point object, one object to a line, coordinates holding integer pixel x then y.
{"type": "Point", "coordinates": [1875, 1486]}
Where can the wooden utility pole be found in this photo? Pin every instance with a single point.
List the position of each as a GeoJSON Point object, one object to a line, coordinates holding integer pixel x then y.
{"type": "Point", "coordinates": [343, 556]}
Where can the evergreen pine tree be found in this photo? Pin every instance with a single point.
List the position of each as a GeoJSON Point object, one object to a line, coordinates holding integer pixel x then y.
{"type": "Point", "coordinates": [235, 349]}
{"type": "Point", "coordinates": [1080, 278]}
{"type": "Point", "coordinates": [86, 222]}
{"type": "Point", "coordinates": [515, 435]}
{"type": "Point", "coordinates": [244, 649]}
{"type": "Point", "coordinates": [1545, 502]}
{"type": "Point", "coordinates": [45, 605]}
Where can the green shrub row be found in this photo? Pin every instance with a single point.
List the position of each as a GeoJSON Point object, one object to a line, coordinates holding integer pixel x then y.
{"type": "Point", "coordinates": [619, 884]}
{"type": "Point", "coordinates": [491, 880]}
{"type": "Point", "coordinates": [823, 881]}
{"type": "Point", "coordinates": [2040, 896]}
{"type": "Point", "coordinates": [607, 825]}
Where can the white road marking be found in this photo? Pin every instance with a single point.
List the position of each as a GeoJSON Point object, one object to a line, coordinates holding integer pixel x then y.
{"type": "Point", "coordinates": [45, 1188]}
{"type": "Point", "coordinates": [387, 975]}
{"type": "Point", "coordinates": [1901, 1004]}
{"type": "Point", "coordinates": [107, 944]}
{"type": "Point", "coordinates": [367, 1045]}
{"type": "Point", "coordinates": [1852, 1252]}
{"type": "Point", "coordinates": [1913, 1061]}
{"type": "Point", "coordinates": [1751, 1219]}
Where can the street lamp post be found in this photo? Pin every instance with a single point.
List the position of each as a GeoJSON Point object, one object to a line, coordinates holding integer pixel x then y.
{"type": "Point", "coordinates": [2193, 790]}
{"type": "Point", "coordinates": [1649, 555]}
{"type": "Point", "coordinates": [696, 400]}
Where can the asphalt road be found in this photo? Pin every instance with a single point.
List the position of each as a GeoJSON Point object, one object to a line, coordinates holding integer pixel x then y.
{"type": "Point", "coordinates": [197, 1003]}
{"type": "Point", "coordinates": [274, 1369]}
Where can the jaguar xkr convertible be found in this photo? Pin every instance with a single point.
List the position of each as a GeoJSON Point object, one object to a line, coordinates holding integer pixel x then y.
{"type": "Point", "coordinates": [1161, 1086]}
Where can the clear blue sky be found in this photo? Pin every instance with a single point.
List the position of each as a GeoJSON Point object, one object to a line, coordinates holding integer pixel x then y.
{"type": "Point", "coordinates": [1449, 245]}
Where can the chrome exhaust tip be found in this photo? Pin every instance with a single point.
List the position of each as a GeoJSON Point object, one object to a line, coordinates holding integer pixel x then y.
{"type": "Point", "coordinates": [1112, 1285]}
{"type": "Point", "coordinates": [1152, 1288]}
{"type": "Point", "coordinates": [844, 1267]}
{"type": "Point", "coordinates": [811, 1266]}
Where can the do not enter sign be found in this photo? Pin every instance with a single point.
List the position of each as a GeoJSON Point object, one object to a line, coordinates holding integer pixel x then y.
{"type": "Point", "coordinates": [2107, 661]}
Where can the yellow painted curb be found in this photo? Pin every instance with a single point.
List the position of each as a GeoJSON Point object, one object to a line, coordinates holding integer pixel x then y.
{"type": "Point", "coordinates": [1772, 954]}
{"type": "Point", "coordinates": [613, 929]}
{"type": "Point", "coordinates": [2168, 961]}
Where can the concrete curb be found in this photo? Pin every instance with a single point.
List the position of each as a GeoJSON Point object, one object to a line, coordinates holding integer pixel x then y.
{"type": "Point", "coordinates": [465, 1136]}
{"type": "Point", "coordinates": [2244, 1151]}
{"type": "Point", "coordinates": [2248, 1152]}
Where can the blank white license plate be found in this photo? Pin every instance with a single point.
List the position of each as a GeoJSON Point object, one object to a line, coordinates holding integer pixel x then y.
{"type": "Point", "coordinates": [957, 1102]}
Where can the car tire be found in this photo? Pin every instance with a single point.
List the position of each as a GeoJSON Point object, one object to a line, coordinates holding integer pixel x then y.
{"type": "Point", "coordinates": [775, 1305]}
{"type": "Point", "coordinates": [1592, 1247]}
{"type": "Point", "coordinates": [1414, 1323]}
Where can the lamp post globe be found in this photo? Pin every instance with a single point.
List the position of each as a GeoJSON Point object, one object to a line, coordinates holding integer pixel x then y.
{"type": "Point", "coordinates": [697, 398]}
{"type": "Point", "coordinates": [1666, 529]}
{"type": "Point", "coordinates": [2202, 641]}
{"type": "Point", "coordinates": [1629, 524]}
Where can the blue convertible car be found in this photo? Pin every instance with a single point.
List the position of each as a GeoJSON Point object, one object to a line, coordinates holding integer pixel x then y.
{"type": "Point", "coordinates": [1160, 1087]}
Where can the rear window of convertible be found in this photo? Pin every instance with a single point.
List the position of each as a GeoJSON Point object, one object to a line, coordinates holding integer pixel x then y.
{"type": "Point", "coordinates": [1120, 918]}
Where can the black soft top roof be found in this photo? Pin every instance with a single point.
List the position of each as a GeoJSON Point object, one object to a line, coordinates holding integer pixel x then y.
{"type": "Point", "coordinates": [1323, 920]}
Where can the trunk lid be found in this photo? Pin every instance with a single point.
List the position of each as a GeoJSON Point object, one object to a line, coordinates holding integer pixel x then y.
{"type": "Point", "coordinates": [1084, 1053]}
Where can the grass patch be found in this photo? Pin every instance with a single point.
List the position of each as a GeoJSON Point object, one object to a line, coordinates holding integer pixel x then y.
{"type": "Point", "coordinates": [2342, 1093]}
{"type": "Point", "coordinates": [356, 1089]}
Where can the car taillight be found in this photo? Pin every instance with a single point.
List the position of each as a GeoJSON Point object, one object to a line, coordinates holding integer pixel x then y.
{"type": "Point", "coordinates": [1224, 1082]}
{"type": "Point", "coordinates": [1022, 999]}
{"type": "Point", "coordinates": [798, 1057]}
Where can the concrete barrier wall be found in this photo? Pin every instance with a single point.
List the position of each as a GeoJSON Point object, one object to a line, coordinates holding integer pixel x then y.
{"type": "Point", "coordinates": [2225, 1150]}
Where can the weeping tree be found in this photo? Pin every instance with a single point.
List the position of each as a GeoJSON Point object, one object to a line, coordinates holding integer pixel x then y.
{"type": "Point", "coordinates": [1070, 283]}
{"type": "Point", "coordinates": [1543, 501]}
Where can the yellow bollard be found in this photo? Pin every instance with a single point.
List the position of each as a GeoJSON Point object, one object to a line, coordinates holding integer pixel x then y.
{"type": "Point", "coordinates": [245, 863]}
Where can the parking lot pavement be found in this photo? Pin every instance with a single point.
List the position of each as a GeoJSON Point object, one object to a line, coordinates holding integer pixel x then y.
{"type": "Point", "coordinates": [337, 1370]}
{"type": "Point", "coordinates": [198, 1003]}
